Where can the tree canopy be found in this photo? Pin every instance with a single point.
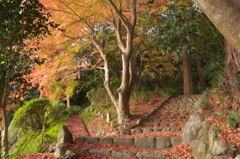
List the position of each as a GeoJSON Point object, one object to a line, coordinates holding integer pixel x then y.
{"type": "Point", "coordinates": [22, 25]}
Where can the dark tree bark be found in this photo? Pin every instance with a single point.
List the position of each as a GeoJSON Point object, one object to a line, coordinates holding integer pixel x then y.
{"type": "Point", "coordinates": [200, 75]}
{"type": "Point", "coordinates": [187, 75]}
{"type": "Point", "coordinates": [232, 69]}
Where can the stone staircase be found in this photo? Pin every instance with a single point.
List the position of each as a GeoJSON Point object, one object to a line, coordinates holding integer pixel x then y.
{"type": "Point", "coordinates": [170, 117]}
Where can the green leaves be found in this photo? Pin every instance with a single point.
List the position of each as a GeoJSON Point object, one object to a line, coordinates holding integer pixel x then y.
{"type": "Point", "coordinates": [233, 118]}
{"type": "Point", "coordinates": [22, 25]}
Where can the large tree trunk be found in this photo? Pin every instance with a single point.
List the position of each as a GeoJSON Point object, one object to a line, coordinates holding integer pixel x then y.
{"type": "Point", "coordinates": [232, 69]}
{"type": "Point", "coordinates": [225, 15]}
{"type": "Point", "coordinates": [124, 91]}
{"type": "Point", "coordinates": [187, 75]}
{"type": "Point", "coordinates": [200, 75]}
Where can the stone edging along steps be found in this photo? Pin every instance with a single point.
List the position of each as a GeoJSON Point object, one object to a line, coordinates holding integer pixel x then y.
{"type": "Point", "coordinates": [150, 143]}
{"type": "Point", "coordinates": [170, 116]}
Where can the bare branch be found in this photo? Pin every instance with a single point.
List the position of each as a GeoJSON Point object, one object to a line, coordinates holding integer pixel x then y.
{"type": "Point", "coordinates": [120, 15]}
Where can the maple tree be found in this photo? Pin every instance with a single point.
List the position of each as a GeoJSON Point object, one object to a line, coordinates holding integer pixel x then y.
{"type": "Point", "coordinates": [109, 27]}
{"type": "Point", "coordinates": [22, 24]}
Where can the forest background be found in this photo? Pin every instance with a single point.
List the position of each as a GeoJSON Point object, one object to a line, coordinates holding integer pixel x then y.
{"type": "Point", "coordinates": [125, 47]}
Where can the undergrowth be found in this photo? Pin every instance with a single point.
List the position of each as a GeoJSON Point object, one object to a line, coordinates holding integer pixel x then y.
{"type": "Point", "coordinates": [224, 118]}
{"type": "Point", "coordinates": [101, 106]}
{"type": "Point", "coordinates": [36, 139]}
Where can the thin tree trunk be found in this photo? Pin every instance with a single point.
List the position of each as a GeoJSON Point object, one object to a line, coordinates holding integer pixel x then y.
{"type": "Point", "coordinates": [4, 130]}
{"type": "Point", "coordinates": [187, 75]}
{"type": "Point", "coordinates": [232, 69]}
{"type": "Point", "coordinates": [68, 103]}
{"type": "Point", "coordinates": [200, 75]}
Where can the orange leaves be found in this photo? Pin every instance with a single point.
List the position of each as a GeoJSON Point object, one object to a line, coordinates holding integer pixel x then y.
{"type": "Point", "coordinates": [182, 150]}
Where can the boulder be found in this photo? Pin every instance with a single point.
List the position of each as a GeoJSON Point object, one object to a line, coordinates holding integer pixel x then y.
{"type": "Point", "coordinates": [204, 141]}
{"type": "Point", "coordinates": [219, 148]}
{"type": "Point", "coordinates": [191, 129]}
{"type": "Point", "coordinates": [199, 150]}
{"type": "Point", "coordinates": [64, 135]}
{"type": "Point", "coordinates": [60, 151]}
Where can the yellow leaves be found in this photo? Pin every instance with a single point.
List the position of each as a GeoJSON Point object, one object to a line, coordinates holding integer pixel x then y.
{"type": "Point", "coordinates": [163, 8]}
{"type": "Point", "coordinates": [184, 3]}
{"type": "Point", "coordinates": [94, 52]}
{"type": "Point", "coordinates": [158, 10]}
{"type": "Point", "coordinates": [159, 63]}
{"type": "Point", "coordinates": [137, 40]}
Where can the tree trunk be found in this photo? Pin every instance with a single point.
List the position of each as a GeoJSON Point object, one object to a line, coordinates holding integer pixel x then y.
{"type": "Point", "coordinates": [124, 91]}
{"type": "Point", "coordinates": [4, 129]}
{"type": "Point", "coordinates": [200, 75]}
{"type": "Point", "coordinates": [68, 103]}
{"type": "Point", "coordinates": [232, 69]}
{"type": "Point", "coordinates": [187, 75]}
{"type": "Point", "coordinates": [225, 15]}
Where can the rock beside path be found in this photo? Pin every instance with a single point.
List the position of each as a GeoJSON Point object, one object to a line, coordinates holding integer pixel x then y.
{"type": "Point", "coordinates": [64, 137]}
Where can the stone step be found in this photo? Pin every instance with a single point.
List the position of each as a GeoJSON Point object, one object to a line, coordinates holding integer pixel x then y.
{"type": "Point", "coordinates": [158, 129]}
{"type": "Point", "coordinates": [156, 116]}
{"type": "Point", "coordinates": [163, 124]}
{"type": "Point", "coordinates": [183, 119]}
{"type": "Point", "coordinates": [171, 116]}
{"type": "Point", "coordinates": [124, 155]}
{"type": "Point", "coordinates": [163, 111]}
{"type": "Point", "coordinates": [149, 143]}
{"type": "Point", "coordinates": [176, 113]}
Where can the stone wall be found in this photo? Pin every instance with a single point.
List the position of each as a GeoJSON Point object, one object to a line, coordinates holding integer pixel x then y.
{"type": "Point", "coordinates": [204, 141]}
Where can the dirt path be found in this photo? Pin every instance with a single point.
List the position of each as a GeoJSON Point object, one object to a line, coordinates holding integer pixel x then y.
{"type": "Point", "coordinates": [76, 126]}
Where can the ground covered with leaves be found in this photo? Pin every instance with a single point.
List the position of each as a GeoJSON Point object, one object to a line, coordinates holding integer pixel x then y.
{"type": "Point", "coordinates": [139, 109]}
{"type": "Point", "coordinates": [225, 120]}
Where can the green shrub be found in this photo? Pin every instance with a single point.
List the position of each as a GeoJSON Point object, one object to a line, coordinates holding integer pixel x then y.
{"type": "Point", "coordinates": [35, 114]}
{"type": "Point", "coordinates": [25, 138]}
{"type": "Point", "coordinates": [98, 96]}
{"type": "Point", "coordinates": [86, 113]}
{"type": "Point", "coordinates": [74, 110]}
{"type": "Point", "coordinates": [30, 142]}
